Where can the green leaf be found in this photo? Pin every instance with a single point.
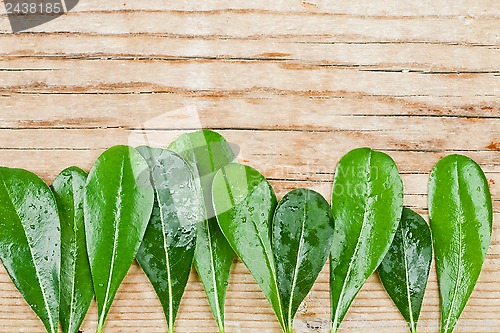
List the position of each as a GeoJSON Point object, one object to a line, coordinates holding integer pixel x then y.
{"type": "Point", "coordinates": [118, 204]}
{"type": "Point", "coordinates": [167, 250]}
{"type": "Point", "coordinates": [77, 290]}
{"type": "Point", "coordinates": [461, 215]}
{"type": "Point", "coordinates": [367, 202]}
{"type": "Point", "coordinates": [29, 241]}
{"type": "Point", "coordinates": [206, 152]}
{"type": "Point", "coordinates": [245, 203]}
{"type": "Point", "coordinates": [405, 268]}
{"type": "Point", "coordinates": [302, 233]}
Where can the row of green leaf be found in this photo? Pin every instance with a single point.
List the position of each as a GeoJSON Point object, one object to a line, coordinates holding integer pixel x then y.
{"type": "Point", "coordinates": [62, 246]}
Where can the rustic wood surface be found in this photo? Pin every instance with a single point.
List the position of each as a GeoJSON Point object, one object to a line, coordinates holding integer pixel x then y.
{"type": "Point", "coordinates": [295, 84]}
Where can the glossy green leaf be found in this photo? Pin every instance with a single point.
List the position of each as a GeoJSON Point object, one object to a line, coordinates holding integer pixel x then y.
{"type": "Point", "coordinates": [167, 250]}
{"type": "Point", "coordinates": [206, 152]}
{"type": "Point", "coordinates": [118, 204]}
{"type": "Point", "coordinates": [29, 241]}
{"type": "Point", "coordinates": [302, 232]}
{"type": "Point", "coordinates": [367, 202]}
{"type": "Point", "coordinates": [405, 268]}
{"type": "Point", "coordinates": [77, 290]}
{"type": "Point", "coordinates": [245, 203]}
{"type": "Point", "coordinates": [460, 213]}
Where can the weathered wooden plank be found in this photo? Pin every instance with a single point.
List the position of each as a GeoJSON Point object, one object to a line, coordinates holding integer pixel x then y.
{"type": "Point", "coordinates": [263, 25]}
{"type": "Point", "coordinates": [303, 146]}
{"type": "Point", "coordinates": [124, 76]}
{"type": "Point", "coordinates": [374, 8]}
{"type": "Point", "coordinates": [375, 56]}
{"type": "Point", "coordinates": [269, 110]}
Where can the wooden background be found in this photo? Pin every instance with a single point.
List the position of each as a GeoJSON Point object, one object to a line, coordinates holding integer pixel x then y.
{"type": "Point", "coordinates": [295, 84]}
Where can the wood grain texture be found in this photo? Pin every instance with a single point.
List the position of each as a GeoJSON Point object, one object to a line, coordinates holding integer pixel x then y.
{"type": "Point", "coordinates": [295, 84]}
